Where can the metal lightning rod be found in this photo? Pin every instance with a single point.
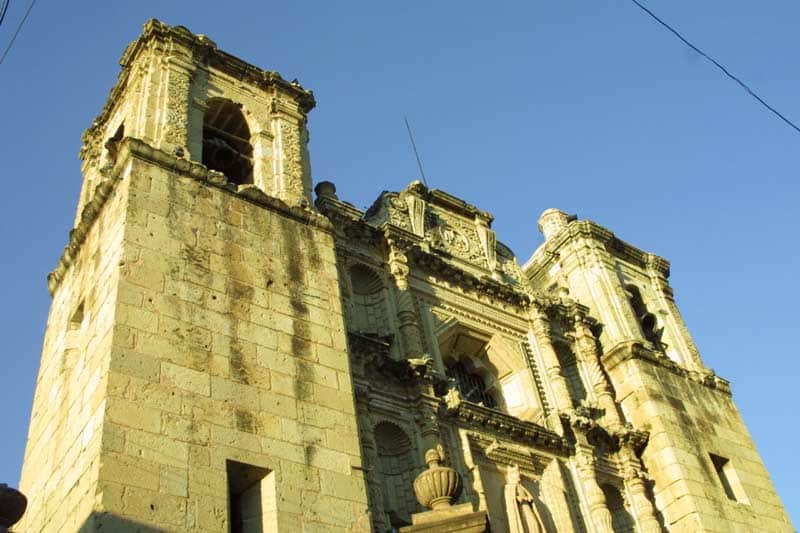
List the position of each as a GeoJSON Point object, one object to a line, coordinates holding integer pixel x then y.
{"type": "Point", "coordinates": [416, 154]}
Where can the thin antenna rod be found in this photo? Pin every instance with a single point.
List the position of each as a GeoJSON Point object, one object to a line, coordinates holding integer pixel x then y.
{"type": "Point", "coordinates": [416, 154]}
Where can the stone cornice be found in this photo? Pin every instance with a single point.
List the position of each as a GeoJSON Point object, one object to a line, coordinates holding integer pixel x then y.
{"type": "Point", "coordinates": [548, 253]}
{"type": "Point", "coordinates": [130, 148]}
{"type": "Point", "coordinates": [628, 350]}
{"type": "Point", "coordinates": [78, 234]}
{"type": "Point", "coordinates": [478, 417]}
{"type": "Point", "coordinates": [485, 285]}
{"type": "Point", "coordinates": [506, 453]}
{"type": "Point", "coordinates": [456, 205]}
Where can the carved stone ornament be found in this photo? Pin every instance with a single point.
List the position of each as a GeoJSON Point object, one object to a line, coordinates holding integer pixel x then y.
{"type": "Point", "coordinates": [438, 486]}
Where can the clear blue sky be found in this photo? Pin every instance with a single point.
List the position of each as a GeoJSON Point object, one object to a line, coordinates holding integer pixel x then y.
{"type": "Point", "coordinates": [517, 106]}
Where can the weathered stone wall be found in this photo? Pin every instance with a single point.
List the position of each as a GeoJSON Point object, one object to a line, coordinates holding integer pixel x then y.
{"type": "Point", "coordinates": [660, 383]}
{"type": "Point", "coordinates": [62, 455]}
{"type": "Point", "coordinates": [228, 345]}
{"type": "Point", "coordinates": [687, 422]}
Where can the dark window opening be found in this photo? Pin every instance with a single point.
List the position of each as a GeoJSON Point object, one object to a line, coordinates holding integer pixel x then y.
{"type": "Point", "coordinates": [647, 320]}
{"type": "Point", "coordinates": [76, 319]}
{"type": "Point", "coordinates": [471, 386]}
{"type": "Point", "coordinates": [728, 478]}
{"type": "Point", "coordinates": [248, 497]}
{"type": "Point", "coordinates": [226, 141]}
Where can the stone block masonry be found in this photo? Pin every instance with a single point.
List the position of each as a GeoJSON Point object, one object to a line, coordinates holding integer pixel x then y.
{"type": "Point", "coordinates": [225, 342]}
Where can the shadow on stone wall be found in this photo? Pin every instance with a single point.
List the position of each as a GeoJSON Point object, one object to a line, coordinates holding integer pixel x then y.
{"type": "Point", "coordinates": [107, 522]}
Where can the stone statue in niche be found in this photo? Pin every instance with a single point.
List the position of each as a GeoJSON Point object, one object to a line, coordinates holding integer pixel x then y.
{"type": "Point", "coordinates": [523, 517]}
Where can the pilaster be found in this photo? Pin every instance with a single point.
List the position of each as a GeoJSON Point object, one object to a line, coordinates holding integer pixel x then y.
{"type": "Point", "coordinates": [291, 166]}
{"type": "Point", "coordinates": [634, 479]}
{"type": "Point", "coordinates": [540, 324]}
{"type": "Point", "coordinates": [589, 356]}
{"type": "Point", "coordinates": [409, 326]}
{"type": "Point", "coordinates": [595, 498]}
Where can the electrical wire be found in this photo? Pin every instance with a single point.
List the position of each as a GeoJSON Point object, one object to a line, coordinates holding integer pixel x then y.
{"type": "Point", "coordinates": [14, 38]}
{"type": "Point", "coordinates": [4, 10]}
{"type": "Point", "coordinates": [724, 70]}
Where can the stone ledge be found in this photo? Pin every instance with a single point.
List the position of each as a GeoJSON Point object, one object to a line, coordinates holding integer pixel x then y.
{"type": "Point", "coordinates": [486, 419]}
{"type": "Point", "coordinates": [455, 519]}
{"type": "Point", "coordinates": [130, 148]}
{"type": "Point", "coordinates": [628, 350]}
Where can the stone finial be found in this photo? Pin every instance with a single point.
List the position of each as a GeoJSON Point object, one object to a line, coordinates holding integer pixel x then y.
{"type": "Point", "coordinates": [552, 221]}
{"type": "Point", "coordinates": [12, 506]}
{"type": "Point", "coordinates": [326, 189]}
{"type": "Point", "coordinates": [438, 486]}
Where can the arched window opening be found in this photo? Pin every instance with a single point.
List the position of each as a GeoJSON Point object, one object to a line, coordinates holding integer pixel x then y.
{"type": "Point", "coordinates": [366, 309]}
{"type": "Point", "coordinates": [621, 519]}
{"type": "Point", "coordinates": [570, 372]}
{"type": "Point", "coordinates": [397, 473]}
{"type": "Point", "coordinates": [476, 364]}
{"type": "Point", "coordinates": [647, 320]}
{"type": "Point", "coordinates": [226, 141]}
{"type": "Point", "coordinates": [471, 386]}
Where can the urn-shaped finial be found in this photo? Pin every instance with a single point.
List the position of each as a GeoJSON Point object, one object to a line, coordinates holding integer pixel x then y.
{"type": "Point", "coordinates": [438, 486]}
{"type": "Point", "coordinates": [12, 505]}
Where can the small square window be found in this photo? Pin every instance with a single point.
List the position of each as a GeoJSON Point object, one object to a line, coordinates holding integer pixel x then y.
{"type": "Point", "coordinates": [252, 500]}
{"type": "Point", "coordinates": [728, 478]}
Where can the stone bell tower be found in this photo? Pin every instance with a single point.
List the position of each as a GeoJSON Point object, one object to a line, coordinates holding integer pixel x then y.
{"type": "Point", "coordinates": [707, 473]}
{"type": "Point", "coordinates": [194, 374]}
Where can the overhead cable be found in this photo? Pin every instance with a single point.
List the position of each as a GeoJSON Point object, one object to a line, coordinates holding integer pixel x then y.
{"type": "Point", "coordinates": [14, 38]}
{"type": "Point", "coordinates": [4, 10]}
{"type": "Point", "coordinates": [724, 70]}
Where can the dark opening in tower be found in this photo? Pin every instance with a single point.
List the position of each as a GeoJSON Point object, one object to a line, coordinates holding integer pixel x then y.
{"type": "Point", "coordinates": [226, 141]}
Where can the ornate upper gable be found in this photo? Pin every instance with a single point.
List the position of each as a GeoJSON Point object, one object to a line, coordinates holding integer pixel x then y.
{"type": "Point", "coordinates": [448, 227]}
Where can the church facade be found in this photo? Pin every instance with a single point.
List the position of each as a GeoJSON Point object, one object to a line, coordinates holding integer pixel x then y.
{"type": "Point", "coordinates": [228, 350]}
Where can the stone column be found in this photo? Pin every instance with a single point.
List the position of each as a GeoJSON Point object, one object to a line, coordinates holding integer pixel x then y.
{"type": "Point", "coordinates": [634, 479]}
{"type": "Point", "coordinates": [562, 400]}
{"type": "Point", "coordinates": [409, 326]}
{"type": "Point", "coordinates": [589, 356]}
{"type": "Point", "coordinates": [595, 498]}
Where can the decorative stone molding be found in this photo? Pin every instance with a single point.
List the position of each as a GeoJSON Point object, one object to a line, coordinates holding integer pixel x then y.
{"type": "Point", "coordinates": [470, 415]}
{"type": "Point", "coordinates": [502, 452]}
{"type": "Point", "coordinates": [628, 350]}
{"type": "Point", "coordinates": [588, 231]}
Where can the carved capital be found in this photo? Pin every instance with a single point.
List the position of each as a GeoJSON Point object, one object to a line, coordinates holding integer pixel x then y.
{"type": "Point", "coordinates": [398, 265]}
